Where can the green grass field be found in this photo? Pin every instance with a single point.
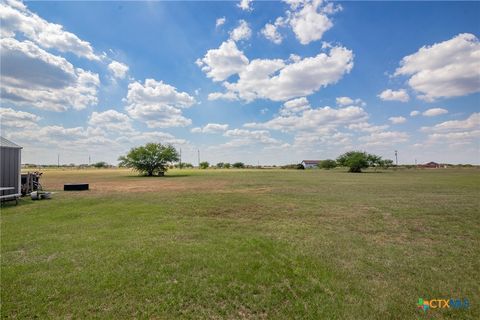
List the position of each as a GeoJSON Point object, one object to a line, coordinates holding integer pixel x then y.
{"type": "Point", "coordinates": [244, 244]}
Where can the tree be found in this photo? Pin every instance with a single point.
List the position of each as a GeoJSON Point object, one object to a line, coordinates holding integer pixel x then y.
{"type": "Point", "coordinates": [387, 163]}
{"type": "Point", "coordinates": [226, 165]}
{"type": "Point", "coordinates": [238, 165]}
{"type": "Point", "coordinates": [101, 164]}
{"type": "Point", "coordinates": [150, 159]}
{"type": "Point", "coordinates": [204, 165]}
{"type": "Point", "coordinates": [220, 165]}
{"type": "Point", "coordinates": [327, 164]}
{"type": "Point", "coordinates": [374, 160]}
{"type": "Point", "coordinates": [354, 160]}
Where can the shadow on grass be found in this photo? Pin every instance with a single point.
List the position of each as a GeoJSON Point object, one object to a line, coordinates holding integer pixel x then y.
{"type": "Point", "coordinates": [167, 176]}
{"type": "Point", "coordinates": [374, 172]}
{"type": "Point", "coordinates": [363, 172]}
{"type": "Point", "coordinates": [23, 201]}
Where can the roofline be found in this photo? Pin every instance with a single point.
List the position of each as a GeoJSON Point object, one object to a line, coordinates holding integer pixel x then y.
{"type": "Point", "coordinates": [10, 144]}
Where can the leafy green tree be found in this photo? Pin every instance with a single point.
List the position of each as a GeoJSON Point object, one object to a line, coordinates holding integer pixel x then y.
{"type": "Point", "coordinates": [182, 165]}
{"type": "Point", "coordinates": [220, 165]}
{"type": "Point", "coordinates": [238, 165]}
{"type": "Point", "coordinates": [386, 163]}
{"type": "Point", "coordinates": [374, 160]}
{"type": "Point", "coordinates": [354, 160]}
{"type": "Point", "coordinates": [226, 165]}
{"type": "Point", "coordinates": [150, 159]}
{"type": "Point", "coordinates": [204, 165]}
{"type": "Point", "coordinates": [327, 164]}
{"type": "Point", "coordinates": [101, 164]}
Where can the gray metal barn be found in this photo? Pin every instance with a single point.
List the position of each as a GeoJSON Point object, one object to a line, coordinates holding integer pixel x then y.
{"type": "Point", "coordinates": [10, 169]}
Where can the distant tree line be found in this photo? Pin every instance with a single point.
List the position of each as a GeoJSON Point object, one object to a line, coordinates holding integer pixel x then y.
{"type": "Point", "coordinates": [155, 159]}
{"type": "Point", "coordinates": [222, 165]}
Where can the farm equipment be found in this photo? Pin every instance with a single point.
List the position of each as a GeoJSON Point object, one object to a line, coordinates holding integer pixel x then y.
{"type": "Point", "coordinates": [31, 182]}
{"type": "Point", "coordinates": [31, 186]}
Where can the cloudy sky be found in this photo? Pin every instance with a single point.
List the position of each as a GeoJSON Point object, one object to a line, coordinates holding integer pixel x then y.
{"type": "Point", "coordinates": [258, 82]}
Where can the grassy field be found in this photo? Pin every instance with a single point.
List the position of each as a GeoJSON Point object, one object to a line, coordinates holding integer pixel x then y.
{"type": "Point", "coordinates": [244, 244]}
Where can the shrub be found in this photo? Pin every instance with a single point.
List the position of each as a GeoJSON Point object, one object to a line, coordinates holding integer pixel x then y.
{"type": "Point", "coordinates": [354, 160]}
{"type": "Point", "coordinates": [298, 166]}
{"type": "Point", "coordinates": [204, 165]}
{"type": "Point", "coordinates": [101, 164]}
{"type": "Point", "coordinates": [327, 164]}
{"type": "Point", "coordinates": [238, 165]}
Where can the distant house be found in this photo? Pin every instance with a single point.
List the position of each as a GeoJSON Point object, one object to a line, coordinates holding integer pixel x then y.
{"type": "Point", "coordinates": [308, 164]}
{"type": "Point", "coordinates": [430, 164]}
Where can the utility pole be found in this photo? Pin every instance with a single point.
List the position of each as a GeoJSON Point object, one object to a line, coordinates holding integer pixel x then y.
{"type": "Point", "coordinates": [396, 157]}
{"type": "Point", "coordinates": [88, 160]}
{"type": "Point", "coordinates": [58, 160]}
{"type": "Point", "coordinates": [198, 157]}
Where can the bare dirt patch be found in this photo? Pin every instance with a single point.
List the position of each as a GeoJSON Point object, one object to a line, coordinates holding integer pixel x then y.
{"type": "Point", "coordinates": [120, 180]}
{"type": "Point", "coordinates": [158, 185]}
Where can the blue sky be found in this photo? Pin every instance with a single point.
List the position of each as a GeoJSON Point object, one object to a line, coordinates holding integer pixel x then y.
{"type": "Point", "coordinates": [268, 82]}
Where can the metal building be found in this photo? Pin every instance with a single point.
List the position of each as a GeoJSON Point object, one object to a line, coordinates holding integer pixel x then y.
{"type": "Point", "coordinates": [10, 169]}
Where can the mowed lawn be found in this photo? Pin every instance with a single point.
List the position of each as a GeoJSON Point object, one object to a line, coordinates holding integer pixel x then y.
{"type": "Point", "coordinates": [244, 244]}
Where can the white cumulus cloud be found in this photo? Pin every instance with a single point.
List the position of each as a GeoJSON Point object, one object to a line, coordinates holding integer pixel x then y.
{"type": "Point", "coordinates": [245, 5]}
{"type": "Point", "coordinates": [415, 113]}
{"type": "Point", "coordinates": [294, 106]}
{"type": "Point", "coordinates": [10, 118]}
{"type": "Point", "coordinates": [311, 21]}
{"type": "Point", "coordinates": [16, 18]}
{"type": "Point", "coordinates": [433, 112]}
{"type": "Point", "coordinates": [34, 77]}
{"type": "Point", "coordinates": [455, 132]}
{"type": "Point", "coordinates": [281, 80]}
{"type": "Point", "coordinates": [220, 21]}
{"type": "Point", "coordinates": [221, 63]}
{"type": "Point", "coordinates": [210, 128]}
{"type": "Point", "coordinates": [241, 32]}
{"type": "Point", "coordinates": [110, 120]}
{"type": "Point", "coordinates": [392, 95]}
{"type": "Point", "coordinates": [270, 31]}
{"type": "Point", "coordinates": [443, 70]}
{"type": "Point", "coordinates": [158, 104]}
{"type": "Point", "coordinates": [397, 120]}
{"type": "Point", "coordinates": [313, 119]}
{"type": "Point", "coordinates": [384, 138]}
{"type": "Point", "coordinates": [471, 123]}
{"type": "Point", "coordinates": [118, 69]}
{"type": "Point", "coordinates": [347, 101]}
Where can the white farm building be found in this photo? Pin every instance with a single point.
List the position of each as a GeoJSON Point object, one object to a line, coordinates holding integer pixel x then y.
{"type": "Point", "coordinates": [308, 164]}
